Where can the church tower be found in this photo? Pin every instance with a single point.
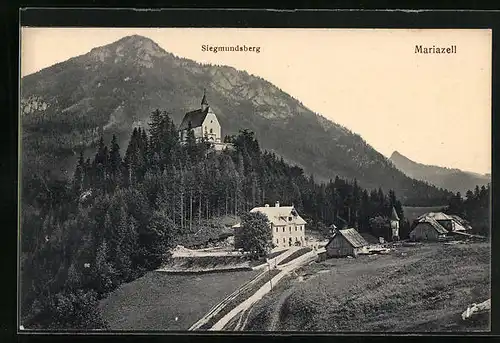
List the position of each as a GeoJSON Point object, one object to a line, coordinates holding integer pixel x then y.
{"type": "Point", "coordinates": [204, 102]}
{"type": "Point", "coordinates": [394, 225]}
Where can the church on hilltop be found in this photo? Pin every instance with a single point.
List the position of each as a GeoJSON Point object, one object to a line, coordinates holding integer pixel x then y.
{"type": "Point", "coordinates": [204, 124]}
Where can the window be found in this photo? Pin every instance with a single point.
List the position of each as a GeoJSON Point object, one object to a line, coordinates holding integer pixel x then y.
{"type": "Point", "coordinates": [290, 228]}
{"type": "Point", "coordinates": [284, 240]}
{"type": "Point", "coordinates": [276, 229]}
{"type": "Point", "coordinates": [283, 229]}
{"type": "Point", "coordinates": [211, 131]}
{"type": "Point", "coordinates": [277, 241]}
{"type": "Point", "coordinates": [295, 228]}
{"type": "Point", "coordinates": [289, 219]}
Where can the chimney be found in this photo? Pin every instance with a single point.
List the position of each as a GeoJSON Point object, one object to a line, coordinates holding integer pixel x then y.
{"type": "Point", "coordinates": [266, 205]}
{"type": "Point", "coordinates": [277, 204]}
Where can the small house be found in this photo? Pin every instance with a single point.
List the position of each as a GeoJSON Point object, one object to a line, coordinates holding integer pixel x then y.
{"type": "Point", "coordinates": [433, 226]}
{"type": "Point", "coordinates": [427, 229]}
{"type": "Point", "coordinates": [346, 242]}
{"type": "Point", "coordinates": [449, 222]}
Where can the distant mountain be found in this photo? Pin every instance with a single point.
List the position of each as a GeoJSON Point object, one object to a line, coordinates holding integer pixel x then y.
{"type": "Point", "coordinates": [115, 87]}
{"type": "Point", "coordinates": [454, 180]}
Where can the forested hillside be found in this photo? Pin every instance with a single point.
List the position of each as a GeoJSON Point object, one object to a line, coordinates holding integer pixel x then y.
{"type": "Point", "coordinates": [118, 216]}
{"type": "Point", "coordinates": [67, 107]}
{"type": "Point", "coordinates": [475, 208]}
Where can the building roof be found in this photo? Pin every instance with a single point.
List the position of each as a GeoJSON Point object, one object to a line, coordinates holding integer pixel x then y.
{"type": "Point", "coordinates": [204, 100]}
{"type": "Point", "coordinates": [278, 215]}
{"type": "Point", "coordinates": [394, 215]}
{"type": "Point", "coordinates": [352, 237]}
{"type": "Point", "coordinates": [436, 216]}
{"type": "Point", "coordinates": [196, 118]}
{"type": "Point", "coordinates": [433, 223]}
{"type": "Point", "coordinates": [460, 223]}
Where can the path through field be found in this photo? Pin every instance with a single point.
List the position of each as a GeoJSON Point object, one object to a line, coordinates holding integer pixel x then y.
{"type": "Point", "coordinates": [215, 310]}
{"type": "Point", "coordinates": [266, 288]}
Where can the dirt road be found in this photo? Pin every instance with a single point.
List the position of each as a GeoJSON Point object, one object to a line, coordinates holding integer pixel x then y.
{"type": "Point", "coordinates": [220, 306]}
{"type": "Point", "coordinates": [245, 305]}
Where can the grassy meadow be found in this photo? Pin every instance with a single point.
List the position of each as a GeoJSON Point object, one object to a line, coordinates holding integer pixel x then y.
{"type": "Point", "coordinates": [413, 289]}
{"type": "Point", "coordinates": [161, 301]}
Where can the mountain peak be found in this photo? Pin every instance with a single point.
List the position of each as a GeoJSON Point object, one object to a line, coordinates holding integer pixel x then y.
{"type": "Point", "coordinates": [134, 48]}
{"type": "Point", "coordinates": [137, 41]}
{"type": "Point", "coordinates": [397, 155]}
{"type": "Point", "coordinates": [452, 179]}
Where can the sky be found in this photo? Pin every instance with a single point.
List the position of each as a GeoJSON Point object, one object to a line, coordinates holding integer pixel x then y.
{"type": "Point", "coordinates": [433, 108]}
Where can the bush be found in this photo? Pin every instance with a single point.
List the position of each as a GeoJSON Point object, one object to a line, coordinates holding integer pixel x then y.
{"type": "Point", "coordinates": [66, 310]}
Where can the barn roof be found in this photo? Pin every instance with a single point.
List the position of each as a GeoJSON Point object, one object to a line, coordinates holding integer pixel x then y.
{"type": "Point", "coordinates": [436, 216]}
{"type": "Point", "coordinates": [433, 223]}
{"type": "Point", "coordinates": [352, 237]}
{"type": "Point", "coordinates": [196, 118]}
{"type": "Point", "coordinates": [460, 224]}
{"type": "Point", "coordinates": [278, 215]}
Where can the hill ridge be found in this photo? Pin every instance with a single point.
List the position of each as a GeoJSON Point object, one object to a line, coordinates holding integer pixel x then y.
{"type": "Point", "coordinates": [454, 179]}
{"type": "Point", "coordinates": [109, 92]}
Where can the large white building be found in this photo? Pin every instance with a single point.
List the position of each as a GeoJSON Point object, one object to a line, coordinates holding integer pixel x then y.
{"type": "Point", "coordinates": [286, 225]}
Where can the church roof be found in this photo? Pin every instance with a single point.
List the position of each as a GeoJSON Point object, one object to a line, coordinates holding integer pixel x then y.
{"type": "Point", "coordinates": [204, 100]}
{"type": "Point", "coordinates": [394, 215]}
{"type": "Point", "coordinates": [196, 118]}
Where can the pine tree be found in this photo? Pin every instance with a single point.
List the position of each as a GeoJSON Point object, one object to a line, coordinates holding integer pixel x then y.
{"type": "Point", "coordinates": [156, 131]}
{"type": "Point", "coordinates": [115, 161]}
{"type": "Point", "coordinates": [102, 270]}
{"type": "Point", "coordinates": [191, 146]}
{"type": "Point", "coordinates": [79, 175]}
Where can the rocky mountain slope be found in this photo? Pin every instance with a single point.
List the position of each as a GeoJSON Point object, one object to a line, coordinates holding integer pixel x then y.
{"type": "Point", "coordinates": [454, 180]}
{"type": "Point", "coordinates": [115, 87]}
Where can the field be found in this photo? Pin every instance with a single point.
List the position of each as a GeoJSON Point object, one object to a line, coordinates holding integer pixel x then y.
{"type": "Point", "coordinates": [413, 289]}
{"type": "Point", "coordinates": [160, 301]}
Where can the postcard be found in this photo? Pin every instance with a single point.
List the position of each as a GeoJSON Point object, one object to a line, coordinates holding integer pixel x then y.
{"type": "Point", "coordinates": [255, 180]}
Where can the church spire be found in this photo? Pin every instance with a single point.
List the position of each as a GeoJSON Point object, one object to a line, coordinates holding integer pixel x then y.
{"type": "Point", "coordinates": [204, 102]}
{"type": "Point", "coordinates": [394, 215]}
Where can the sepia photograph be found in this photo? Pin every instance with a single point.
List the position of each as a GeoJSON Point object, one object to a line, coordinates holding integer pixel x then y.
{"type": "Point", "coordinates": [255, 180]}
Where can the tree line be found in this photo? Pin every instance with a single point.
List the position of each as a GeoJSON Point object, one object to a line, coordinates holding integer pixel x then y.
{"type": "Point", "coordinates": [119, 215]}
{"type": "Point", "coordinates": [475, 208]}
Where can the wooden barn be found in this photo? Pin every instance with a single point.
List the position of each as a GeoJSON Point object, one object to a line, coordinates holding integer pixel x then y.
{"type": "Point", "coordinates": [427, 229]}
{"type": "Point", "coordinates": [346, 242]}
